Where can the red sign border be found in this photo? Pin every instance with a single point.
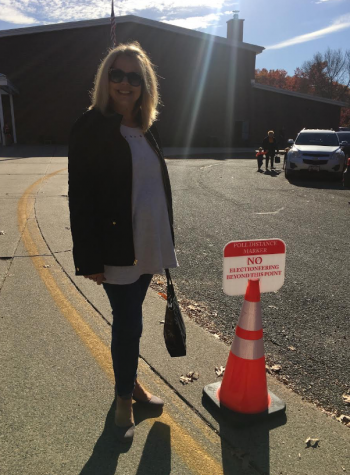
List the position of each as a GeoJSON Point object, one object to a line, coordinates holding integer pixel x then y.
{"type": "Point", "coordinates": [256, 247]}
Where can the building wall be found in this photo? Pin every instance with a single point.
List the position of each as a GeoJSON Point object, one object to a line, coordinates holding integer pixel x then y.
{"type": "Point", "coordinates": [275, 111]}
{"type": "Point", "coordinates": [205, 86]}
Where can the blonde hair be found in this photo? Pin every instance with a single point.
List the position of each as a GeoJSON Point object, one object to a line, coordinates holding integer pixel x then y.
{"type": "Point", "coordinates": [149, 100]}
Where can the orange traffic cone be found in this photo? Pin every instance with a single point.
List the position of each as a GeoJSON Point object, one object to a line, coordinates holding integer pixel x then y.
{"type": "Point", "coordinates": [243, 390]}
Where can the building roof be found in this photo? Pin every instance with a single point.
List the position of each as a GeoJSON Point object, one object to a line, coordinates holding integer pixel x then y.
{"type": "Point", "coordinates": [6, 85]}
{"type": "Point", "coordinates": [132, 19]}
{"type": "Point", "coordinates": [278, 90]}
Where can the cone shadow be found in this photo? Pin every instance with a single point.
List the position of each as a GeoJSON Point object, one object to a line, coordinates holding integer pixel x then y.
{"type": "Point", "coordinates": [250, 442]}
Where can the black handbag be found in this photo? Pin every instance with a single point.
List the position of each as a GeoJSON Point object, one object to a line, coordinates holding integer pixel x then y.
{"type": "Point", "coordinates": [277, 159]}
{"type": "Point", "coordinates": [174, 326]}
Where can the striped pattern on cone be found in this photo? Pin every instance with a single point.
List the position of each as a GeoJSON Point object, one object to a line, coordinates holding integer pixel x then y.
{"type": "Point", "coordinates": [244, 386]}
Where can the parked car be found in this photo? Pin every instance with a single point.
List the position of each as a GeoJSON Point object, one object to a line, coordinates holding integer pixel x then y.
{"type": "Point", "coordinates": [315, 150]}
{"type": "Point", "coordinates": [345, 137]}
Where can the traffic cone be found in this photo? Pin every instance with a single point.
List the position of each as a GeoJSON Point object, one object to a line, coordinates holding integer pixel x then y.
{"type": "Point", "coordinates": [243, 391]}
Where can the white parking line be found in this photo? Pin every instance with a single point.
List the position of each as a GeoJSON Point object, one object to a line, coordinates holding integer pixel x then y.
{"type": "Point", "coordinates": [272, 212]}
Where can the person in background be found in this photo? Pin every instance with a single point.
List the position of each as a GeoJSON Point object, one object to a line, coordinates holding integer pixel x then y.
{"type": "Point", "coordinates": [260, 157]}
{"type": "Point", "coordinates": [270, 147]}
{"type": "Point", "coordinates": [121, 209]}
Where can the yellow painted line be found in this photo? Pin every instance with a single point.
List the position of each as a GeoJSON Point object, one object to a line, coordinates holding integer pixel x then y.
{"type": "Point", "coordinates": [99, 351]}
{"type": "Point", "coordinates": [191, 452]}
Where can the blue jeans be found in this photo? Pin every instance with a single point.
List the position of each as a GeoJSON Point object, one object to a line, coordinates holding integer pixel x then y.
{"type": "Point", "coordinates": [126, 302]}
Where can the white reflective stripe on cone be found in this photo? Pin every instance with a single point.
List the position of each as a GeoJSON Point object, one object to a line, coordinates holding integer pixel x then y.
{"type": "Point", "coordinates": [247, 349]}
{"type": "Point", "coordinates": [250, 317]}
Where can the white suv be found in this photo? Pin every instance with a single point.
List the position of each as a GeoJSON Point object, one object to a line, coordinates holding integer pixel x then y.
{"type": "Point", "coordinates": [315, 150]}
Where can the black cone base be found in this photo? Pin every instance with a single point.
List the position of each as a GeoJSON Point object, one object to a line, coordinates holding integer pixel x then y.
{"type": "Point", "coordinates": [276, 407]}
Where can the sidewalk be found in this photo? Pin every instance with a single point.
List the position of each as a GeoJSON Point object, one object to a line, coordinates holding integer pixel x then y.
{"type": "Point", "coordinates": [276, 447]}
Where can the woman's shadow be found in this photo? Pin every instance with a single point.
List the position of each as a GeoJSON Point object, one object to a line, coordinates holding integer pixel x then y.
{"type": "Point", "coordinates": [104, 458]}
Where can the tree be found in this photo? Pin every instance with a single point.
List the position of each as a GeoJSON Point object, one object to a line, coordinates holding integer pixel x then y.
{"type": "Point", "coordinates": [345, 117]}
{"type": "Point", "coordinates": [328, 74]}
{"type": "Point", "coordinates": [325, 75]}
{"type": "Point", "coordinates": [274, 77]}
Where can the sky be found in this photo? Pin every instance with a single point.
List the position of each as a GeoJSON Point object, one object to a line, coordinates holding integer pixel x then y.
{"type": "Point", "coordinates": [291, 31]}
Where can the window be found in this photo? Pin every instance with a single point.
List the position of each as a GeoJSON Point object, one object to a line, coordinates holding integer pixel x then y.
{"type": "Point", "coordinates": [319, 139]}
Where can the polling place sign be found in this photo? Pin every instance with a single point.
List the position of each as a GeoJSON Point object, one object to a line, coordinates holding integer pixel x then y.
{"type": "Point", "coordinates": [263, 259]}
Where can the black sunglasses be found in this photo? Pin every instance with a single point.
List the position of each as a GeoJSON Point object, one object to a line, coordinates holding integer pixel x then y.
{"type": "Point", "coordinates": [117, 75]}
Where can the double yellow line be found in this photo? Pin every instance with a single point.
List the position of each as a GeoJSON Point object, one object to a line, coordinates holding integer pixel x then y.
{"type": "Point", "coordinates": [191, 452]}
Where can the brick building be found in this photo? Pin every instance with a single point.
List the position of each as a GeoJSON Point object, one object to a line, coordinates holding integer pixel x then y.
{"type": "Point", "coordinates": [206, 83]}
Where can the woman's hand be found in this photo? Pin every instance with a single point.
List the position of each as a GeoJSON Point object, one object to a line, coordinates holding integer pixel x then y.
{"type": "Point", "coordinates": [98, 278]}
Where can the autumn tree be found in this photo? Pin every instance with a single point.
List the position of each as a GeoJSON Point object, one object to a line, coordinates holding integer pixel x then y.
{"type": "Point", "coordinates": [328, 74]}
{"type": "Point", "coordinates": [273, 77]}
{"type": "Point", "coordinates": [325, 75]}
{"type": "Point", "coordinates": [345, 117]}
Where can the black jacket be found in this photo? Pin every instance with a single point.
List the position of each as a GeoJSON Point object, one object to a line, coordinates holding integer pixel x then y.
{"type": "Point", "coordinates": [100, 192]}
{"type": "Point", "coordinates": [270, 146]}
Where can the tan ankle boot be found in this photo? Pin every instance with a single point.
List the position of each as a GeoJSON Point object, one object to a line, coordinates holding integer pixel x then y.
{"type": "Point", "coordinates": [141, 394]}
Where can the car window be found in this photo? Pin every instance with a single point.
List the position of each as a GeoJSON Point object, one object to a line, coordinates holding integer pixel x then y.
{"type": "Point", "coordinates": [343, 136]}
{"type": "Point", "coordinates": [317, 139]}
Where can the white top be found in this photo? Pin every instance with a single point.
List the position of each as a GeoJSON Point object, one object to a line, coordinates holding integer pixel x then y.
{"type": "Point", "coordinates": [154, 249]}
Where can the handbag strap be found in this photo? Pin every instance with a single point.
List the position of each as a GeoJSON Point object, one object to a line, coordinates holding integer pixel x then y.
{"type": "Point", "coordinates": [168, 277]}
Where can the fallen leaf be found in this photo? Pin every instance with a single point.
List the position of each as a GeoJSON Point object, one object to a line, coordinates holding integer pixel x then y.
{"type": "Point", "coordinates": [299, 456]}
{"type": "Point", "coordinates": [46, 266]}
{"type": "Point", "coordinates": [346, 399]}
{"type": "Point", "coordinates": [2, 233]}
{"type": "Point", "coordinates": [268, 369]}
{"type": "Point", "coordinates": [276, 368]}
{"type": "Point", "coordinates": [190, 377]}
{"type": "Point", "coordinates": [219, 370]}
{"type": "Point", "coordinates": [314, 443]}
{"type": "Point", "coordinates": [291, 348]}
{"type": "Point", "coordinates": [272, 306]}
{"type": "Point", "coordinates": [163, 295]}
{"type": "Point", "coordinates": [162, 321]}
{"type": "Point", "coordinates": [344, 419]}
{"type": "Point", "coordinates": [191, 307]}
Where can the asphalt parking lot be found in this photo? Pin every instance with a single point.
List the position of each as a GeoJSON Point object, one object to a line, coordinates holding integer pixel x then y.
{"type": "Point", "coordinates": [305, 323]}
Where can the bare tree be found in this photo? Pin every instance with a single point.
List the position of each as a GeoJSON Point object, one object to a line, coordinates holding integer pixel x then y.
{"type": "Point", "coordinates": [328, 74]}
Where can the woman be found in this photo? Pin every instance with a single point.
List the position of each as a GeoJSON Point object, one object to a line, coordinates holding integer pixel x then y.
{"type": "Point", "coordinates": [121, 208]}
{"type": "Point", "coordinates": [270, 147]}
